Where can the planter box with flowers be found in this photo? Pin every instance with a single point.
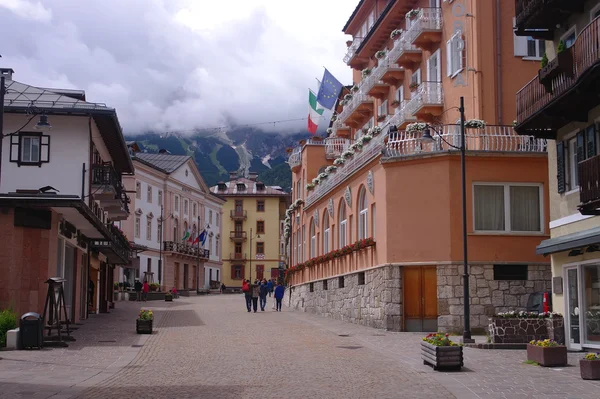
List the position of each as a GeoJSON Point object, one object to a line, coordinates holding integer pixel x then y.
{"type": "Point", "coordinates": [439, 351]}
{"type": "Point", "coordinates": [330, 169]}
{"type": "Point", "coordinates": [355, 88]}
{"type": "Point", "coordinates": [413, 13]}
{"type": "Point", "coordinates": [374, 131]}
{"type": "Point", "coordinates": [589, 366]}
{"type": "Point", "coordinates": [395, 103]}
{"type": "Point", "coordinates": [168, 297]}
{"type": "Point", "coordinates": [475, 124]}
{"type": "Point", "coordinates": [143, 324]}
{"type": "Point", "coordinates": [413, 86]}
{"type": "Point", "coordinates": [365, 72]}
{"type": "Point", "coordinates": [416, 127]}
{"type": "Point", "coordinates": [154, 287]}
{"type": "Point", "coordinates": [380, 54]}
{"type": "Point", "coordinates": [396, 33]}
{"type": "Point", "coordinates": [547, 353]}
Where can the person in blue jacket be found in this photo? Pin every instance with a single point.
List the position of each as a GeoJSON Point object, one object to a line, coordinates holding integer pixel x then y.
{"type": "Point", "coordinates": [264, 290]}
{"type": "Point", "coordinates": [270, 287]}
{"type": "Point", "coordinates": [279, 290]}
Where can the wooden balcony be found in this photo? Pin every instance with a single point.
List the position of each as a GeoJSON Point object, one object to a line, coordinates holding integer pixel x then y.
{"type": "Point", "coordinates": [238, 214]}
{"type": "Point", "coordinates": [589, 186]}
{"type": "Point", "coordinates": [539, 18]}
{"type": "Point", "coordinates": [239, 257]}
{"type": "Point", "coordinates": [238, 236]}
{"type": "Point", "coordinates": [565, 90]}
{"type": "Point", "coordinates": [426, 28]}
{"type": "Point", "coordinates": [107, 187]}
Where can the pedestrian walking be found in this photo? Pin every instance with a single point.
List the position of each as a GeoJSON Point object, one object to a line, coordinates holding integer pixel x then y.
{"type": "Point", "coordinates": [270, 286]}
{"type": "Point", "coordinates": [264, 291]}
{"type": "Point", "coordinates": [145, 290]}
{"type": "Point", "coordinates": [279, 290]}
{"type": "Point", "coordinates": [138, 289]}
{"type": "Point", "coordinates": [255, 290]}
{"type": "Point", "coordinates": [223, 288]}
{"type": "Point", "coordinates": [247, 294]}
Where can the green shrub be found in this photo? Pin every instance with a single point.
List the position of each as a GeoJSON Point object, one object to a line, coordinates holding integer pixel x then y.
{"type": "Point", "coordinates": [561, 47]}
{"type": "Point", "coordinates": [544, 60]}
{"type": "Point", "coordinates": [8, 321]}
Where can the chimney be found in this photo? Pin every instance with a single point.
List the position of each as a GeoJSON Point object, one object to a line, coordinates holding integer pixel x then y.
{"type": "Point", "coordinates": [163, 151]}
{"type": "Point", "coordinates": [7, 73]}
{"type": "Point", "coordinates": [253, 176]}
{"type": "Point", "coordinates": [233, 175]}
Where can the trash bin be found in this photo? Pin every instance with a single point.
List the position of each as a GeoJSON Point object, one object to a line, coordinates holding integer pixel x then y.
{"type": "Point", "coordinates": [31, 330]}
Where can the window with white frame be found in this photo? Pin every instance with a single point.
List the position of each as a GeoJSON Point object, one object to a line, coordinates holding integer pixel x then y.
{"type": "Point", "coordinates": [149, 194]}
{"type": "Point", "coordinates": [149, 229]}
{"type": "Point", "coordinates": [137, 227]}
{"type": "Point", "coordinates": [373, 221]}
{"type": "Point", "coordinates": [528, 47]}
{"type": "Point", "coordinates": [400, 94]}
{"type": "Point", "coordinates": [210, 247]}
{"type": "Point", "coordinates": [455, 49]}
{"type": "Point", "coordinates": [363, 215]}
{"type": "Point", "coordinates": [383, 108]}
{"type": "Point", "coordinates": [30, 149]}
{"type": "Point", "coordinates": [583, 145]}
{"type": "Point", "coordinates": [343, 225]}
{"type": "Point", "coordinates": [217, 219]}
{"type": "Point", "coordinates": [416, 77]}
{"type": "Point", "coordinates": [176, 203]}
{"type": "Point", "coordinates": [510, 207]}
{"type": "Point", "coordinates": [326, 231]}
{"type": "Point", "coordinates": [313, 240]}
{"type": "Point", "coordinates": [138, 190]}
{"type": "Point", "coordinates": [434, 68]}
{"type": "Point", "coordinates": [569, 37]}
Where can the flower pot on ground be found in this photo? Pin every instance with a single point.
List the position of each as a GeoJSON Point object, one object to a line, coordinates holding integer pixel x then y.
{"type": "Point", "coordinates": [547, 353]}
{"type": "Point", "coordinates": [143, 324]}
{"type": "Point", "coordinates": [440, 352]}
{"type": "Point", "coordinates": [589, 366]}
{"type": "Point", "coordinates": [168, 297]}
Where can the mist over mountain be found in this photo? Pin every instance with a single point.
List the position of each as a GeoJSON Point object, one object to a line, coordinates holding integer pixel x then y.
{"type": "Point", "coordinates": [245, 149]}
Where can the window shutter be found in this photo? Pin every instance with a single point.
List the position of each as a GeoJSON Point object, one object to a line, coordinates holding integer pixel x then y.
{"type": "Point", "coordinates": [560, 167]}
{"type": "Point", "coordinates": [520, 43]}
{"type": "Point", "coordinates": [580, 147]}
{"type": "Point", "coordinates": [14, 148]}
{"type": "Point", "coordinates": [45, 149]}
{"type": "Point", "coordinates": [591, 141]}
{"type": "Point", "coordinates": [449, 58]}
{"type": "Point", "coordinates": [233, 272]}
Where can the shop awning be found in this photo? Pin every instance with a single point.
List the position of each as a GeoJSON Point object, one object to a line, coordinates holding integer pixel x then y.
{"type": "Point", "coordinates": [569, 241]}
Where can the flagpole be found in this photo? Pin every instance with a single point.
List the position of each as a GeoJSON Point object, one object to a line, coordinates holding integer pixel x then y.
{"type": "Point", "coordinates": [160, 243]}
{"type": "Point", "coordinates": [198, 258]}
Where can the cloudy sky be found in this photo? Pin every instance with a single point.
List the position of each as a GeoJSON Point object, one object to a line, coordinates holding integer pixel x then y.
{"type": "Point", "coordinates": [176, 65]}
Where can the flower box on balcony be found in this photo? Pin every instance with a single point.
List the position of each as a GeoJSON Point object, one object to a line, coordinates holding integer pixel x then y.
{"type": "Point", "coordinates": [547, 356]}
{"type": "Point", "coordinates": [563, 63]}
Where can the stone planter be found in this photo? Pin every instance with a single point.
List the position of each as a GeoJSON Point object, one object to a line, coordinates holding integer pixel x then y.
{"type": "Point", "coordinates": [143, 326]}
{"type": "Point", "coordinates": [547, 356]}
{"type": "Point", "coordinates": [168, 298]}
{"type": "Point", "coordinates": [590, 369]}
{"type": "Point", "coordinates": [442, 356]}
{"type": "Point", "coordinates": [512, 331]}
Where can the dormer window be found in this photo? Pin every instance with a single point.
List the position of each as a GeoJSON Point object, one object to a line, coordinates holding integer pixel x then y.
{"type": "Point", "coordinates": [241, 186]}
{"type": "Point", "coordinates": [260, 186]}
{"type": "Point", "coordinates": [221, 186]}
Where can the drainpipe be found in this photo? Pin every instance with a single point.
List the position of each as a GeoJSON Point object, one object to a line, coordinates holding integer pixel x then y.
{"type": "Point", "coordinates": [89, 242]}
{"type": "Point", "coordinates": [498, 63]}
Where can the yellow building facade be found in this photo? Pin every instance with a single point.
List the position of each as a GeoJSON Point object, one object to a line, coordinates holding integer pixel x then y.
{"type": "Point", "coordinates": [253, 214]}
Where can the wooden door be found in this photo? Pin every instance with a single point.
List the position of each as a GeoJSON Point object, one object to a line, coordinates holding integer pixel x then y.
{"type": "Point", "coordinates": [176, 276]}
{"type": "Point", "coordinates": [185, 276]}
{"type": "Point", "coordinates": [420, 298]}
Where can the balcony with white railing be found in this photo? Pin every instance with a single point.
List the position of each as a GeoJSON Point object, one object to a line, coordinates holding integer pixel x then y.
{"type": "Point", "coordinates": [490, 139]}
{"type": "Point", "coordinates": [427, 100]}
{"type": "Point", "coordinates": [401, 117]}
{"type": "Point", "coordinates": [338, 128]}
{"type": "Point", "coordinates": [370, 151]}
{"type": "Point", "coordinates": [404, 53]}
{"type": "Point", "coordinates": [334, 146]}
{"type": "Point", "coordinates": [295, 158]}
{"type": "Point", "coordinates": [426, 28]}
{"type": "Point", "coordinates": [359, 101]}
{"type": "Point", "coordinates": [352, 49]}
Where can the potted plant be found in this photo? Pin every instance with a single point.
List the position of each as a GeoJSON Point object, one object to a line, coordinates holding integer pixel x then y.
{"type": "Point", "coordinates": [413, 13]}
{"type": "Point", "coordinates": [562, 63]}
{"type": "Point", "coordinates": [168, 297]}
{"type": "Point", "coordinates": [289, 150]}
{"type": "Point", "coordinates": [365, 72]}
{"type": "Point", "coordinates": [380, 54]}
{"type": "Point", "coordinates": [547, 353]}
{"type": "Point", "coordinates": [475, 124]}
{"type": "Point", "coordinates": [154, 287]}
{"type": "Point", "coordinates": [310, 187]}
{"type": "Point", "coordinates": [395, 103]}
{"type": "Point", "coordinates": [440, 352]}
{"type": "Point", "coordinates": [348, 97]}
{"type": "Point", "coordinates": [339, 162]}
{"type": "Point", "coordinates": [589, 366]}
{"type": "Point", "coordinates": [416, 127]}
{"type": "Point", "coordinates": [329, 130]}
{"type": "Point", "coordinates": [413, 86]}
{"type": "Point", "coordinates": [355, 88]}
{"type": "Point", "coordinates": [396, 33]}
{"type": "Point", "coordinates": [317, 138]}
{"type": "Point", "coordinates": [302, 142]}
{"type": "Point", "coordinates": [143, 324]}
{"type": "Point", "coordinates": [330, 169]}
{"type": "Point", "coordinates": [334, 117]}
{"type": "Point", "coordinates": [375, 130]}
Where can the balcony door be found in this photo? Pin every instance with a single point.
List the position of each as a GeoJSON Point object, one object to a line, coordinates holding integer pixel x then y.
{"type": "Point", "coordinates": [434, 70]}
{"type": "Point", "coordinates": [239, 207]}
{"type": "Point", "coordinates": [572, 328]}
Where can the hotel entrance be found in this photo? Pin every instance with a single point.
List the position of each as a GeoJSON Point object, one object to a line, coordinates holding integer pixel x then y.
{"type": "Point", "coordinates": [582, 305]}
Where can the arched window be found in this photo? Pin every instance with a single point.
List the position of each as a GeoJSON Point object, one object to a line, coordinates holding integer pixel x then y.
{"type": "Point", "coordinates": [326, 231]}
{"type": "Point", "coordinates": [313, 239]}
{"type": "Point", "coordinates": [363, 215]}
{"type": "Point", "coordinates": [185, 229]}
{"type": "Point", "coordinates": [343, 224]}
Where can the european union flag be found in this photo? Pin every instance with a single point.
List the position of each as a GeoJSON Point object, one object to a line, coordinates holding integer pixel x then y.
{"type": "Point", "coordinates": [329, 90]}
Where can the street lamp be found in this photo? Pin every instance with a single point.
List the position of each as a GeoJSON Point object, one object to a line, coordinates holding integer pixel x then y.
{"type": "Point", "coordinates": [427, 136]}
{"type": "Point", "coordinates": [250, 264]}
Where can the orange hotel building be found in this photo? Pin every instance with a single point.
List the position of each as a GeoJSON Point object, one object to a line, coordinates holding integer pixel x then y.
{"type": "Point", "coordinates": [375, 228]}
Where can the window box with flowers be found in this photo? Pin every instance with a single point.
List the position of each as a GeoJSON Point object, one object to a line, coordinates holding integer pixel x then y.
{"type": "Point", "coordinates": [348, 97]}
{"type": "Point", "coordinates": [365, 72]}
{"type": "Point", "coordinates": [330, 169]}
{"type": "Point", "coordinates": [355, 88]}
{"type": "Point", "coordinates": [310, 187]}
{"type": "Point", "coordinates": [339, 162]}
{"type": "Point", "coordinates": [381, 118]}
{"type": "Point", "coordinates": [440, 352]}
{"type": "Point", "coordinates": [347, 154]}
{"type": "Point", "coordinates": [396, 33]}
{"type": "Point", "coordinates": [412, 14]}
{"type": "Point", "coordinates": [143, 324]}
{"type": "Point", "coordinates": [395, 103]}
{"type": "Point", "coordinates": [374, 131]}
{"type": "Point", "coordinates": [356, 147]}
{"type": "Point", "coordinates": [416, 127]}
{"type": "Point", "coordinates": [413, 86]}
{"type": "Point", "coordinates": [475, 124]}
{"type": "Point", "coordinates": [547, 353]}
{"type": "Point", "coordinates": [380, 54]}
{"type": "Point", "coordinates": [589, 366]}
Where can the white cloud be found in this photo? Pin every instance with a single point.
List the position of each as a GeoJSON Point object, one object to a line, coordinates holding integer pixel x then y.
{"type": "Point", "coordinates": [180, 64]}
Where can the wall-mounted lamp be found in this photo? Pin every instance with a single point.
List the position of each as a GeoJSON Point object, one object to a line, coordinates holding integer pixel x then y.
{"type": "Point", "coordinates": [43, 124]}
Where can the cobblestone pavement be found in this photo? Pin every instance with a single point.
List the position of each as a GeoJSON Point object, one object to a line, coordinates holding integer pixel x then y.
{"type": "Point", "coordinates": [210, 347]}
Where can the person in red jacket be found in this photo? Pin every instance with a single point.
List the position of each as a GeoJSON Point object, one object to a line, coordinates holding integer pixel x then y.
{"type": "Point", "coordinates": [145, 290]}
{"type": "Point", "coordinates": [247, 294]}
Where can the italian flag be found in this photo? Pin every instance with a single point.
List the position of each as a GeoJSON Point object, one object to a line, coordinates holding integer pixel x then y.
{"type": "Point", "coordinates": [314, 112]}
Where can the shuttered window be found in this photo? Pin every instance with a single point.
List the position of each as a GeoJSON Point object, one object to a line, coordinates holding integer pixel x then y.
{"type": "Point", "coordinates": [560, 167]}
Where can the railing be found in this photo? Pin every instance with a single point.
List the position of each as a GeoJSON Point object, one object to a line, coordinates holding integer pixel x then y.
{"type": "Point", "coordinates": [429, 19]}
{"type": "Point", "coordinates": [186, 249]}
{"type": "Point", "coordinates": [428, 93]}
{"type": "Point", "coordinates": [336, 126]}
{"type": "Point", "coordinates": [352, 49]}
{"type": "Point", "coordinates": [585, 52]}
{"type": "Point", "coordinates": [357, 98]}
{"type": "Point", "coordinates": [295, 158]}
{"type": "Point", "coordinates": [401, 115]}
{"type": "Point", "coordinates": [490, 139]}
{"type": "Point", "coordinates": [237, 235]}
{"type": "Point", "coordinates": [107, 177]}
{"type": "Point", "coordinates": [238, 214]}
{"type": "Point", "coordinates": [376, 74]}
{"type": "Point", "coordinates": [117, 243]}
{"type": "Point", "coordinates": [334, 146]}
{"type": "Point", "coordinates": [369, 152]}
{"type": "Point", "coordinates": [401, 45]}
{"type": "Point", "coordinates": [237, 256]}
{"type": "Point", "coordinates": [589, 180]}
